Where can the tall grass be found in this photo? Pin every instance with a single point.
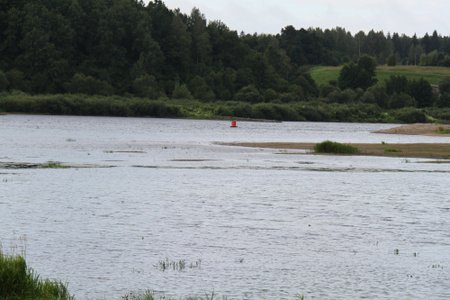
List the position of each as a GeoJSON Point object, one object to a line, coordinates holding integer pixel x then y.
{"type": "Point", "coordinates": [335, 148]}
{"type": "Point", "coordinates": [18, 282]}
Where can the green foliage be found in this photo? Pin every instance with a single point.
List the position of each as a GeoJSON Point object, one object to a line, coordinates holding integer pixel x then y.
{"type": "Point", "coordinates": [396, 84]}
{"type": "Point", "coordinates": [4, 83]}
{"type": "Point", "coordinates": [146, 86]}
{"type": "Point", "coordinates": [335, 148]}
{"type": "Point", "coordinates": [271, 111]}
{"type": "Point", "coordinates": [410, 115]}
{"type": "Point", "coordinates": [326, 89]}
{"type": "Point", "coordinates": [392, 61]}
{"type": "Point", "coordinates": [434, 75]}
{"type": "Point", "coordinates": [421, 91]}
{"type": "Point", "coordinates": [17, 80]}
{"type": "Point", "coordinates": [82, 84]}
{"type": "Point", "coordinates": [248, 94]}
{"type": "Point", "coordinates": [443, 100]}
{"type": "Point", "coordinates": [444, 90]}
{"type": "Point", "coordinates": [444, 86]}
{"type": "Point", "coordinates": [200, 89]}
{"type": "Point", "coordinates": [181, 91]}
{"type": "Point", "coordinates": [87, 105]}
{"type": "Point", "coordinates": [345, 96]}
{"type": "Point", "coordinates": [18, 282]}
{"type": "Point", "coordinates": [401, 100]}
{"type": "Point", "coordinates": [361, 75]}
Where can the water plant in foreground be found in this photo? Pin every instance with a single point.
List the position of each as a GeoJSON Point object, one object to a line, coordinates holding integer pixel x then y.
{"type": "Point", "coordinates": [335, 148]}
{"type": "Point", "coordinates": [18, 282]}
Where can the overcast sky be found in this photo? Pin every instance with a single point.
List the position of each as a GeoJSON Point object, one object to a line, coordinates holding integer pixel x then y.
{"type": "Point", "coordinates": [269, 16]}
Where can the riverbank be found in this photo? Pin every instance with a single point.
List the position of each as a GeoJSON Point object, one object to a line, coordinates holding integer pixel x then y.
{"type": "Point", "coordinates": [315, 110]}
{"type": "Point", "coordinates": [418, 150]}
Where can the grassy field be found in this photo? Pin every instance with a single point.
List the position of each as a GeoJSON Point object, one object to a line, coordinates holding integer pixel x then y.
{"type": "Point", "coordinates": [434, 75]}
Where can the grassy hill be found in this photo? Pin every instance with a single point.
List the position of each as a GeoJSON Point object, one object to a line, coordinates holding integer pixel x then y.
{"type": "Point", "coordinates": [434, 75]}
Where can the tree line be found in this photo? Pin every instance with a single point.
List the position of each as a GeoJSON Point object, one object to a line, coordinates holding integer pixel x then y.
{"type": "Point", "coordinates": [127, 47]}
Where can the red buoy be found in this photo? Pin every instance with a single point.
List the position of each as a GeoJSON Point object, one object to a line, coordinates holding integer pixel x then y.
{"type": "Point", "coordinates": [233, 124]}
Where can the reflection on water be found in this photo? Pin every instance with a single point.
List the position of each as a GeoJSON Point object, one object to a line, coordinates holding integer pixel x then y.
{"type": "Point", "coordinates": [265, 224]}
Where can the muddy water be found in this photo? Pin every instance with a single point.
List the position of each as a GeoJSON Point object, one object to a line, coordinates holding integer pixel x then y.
{"type": "Point", "coordinates": [248, 223]}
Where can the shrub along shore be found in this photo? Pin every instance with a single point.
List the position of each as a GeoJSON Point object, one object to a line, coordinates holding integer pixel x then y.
{"type": "Point", "coordinates": [121, 106]}
{"type": "Point", "coordinates": [18, 282]}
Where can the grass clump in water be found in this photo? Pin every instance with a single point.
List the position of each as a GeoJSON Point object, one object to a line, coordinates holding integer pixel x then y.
{"type": "Point", "coordinates": [392, 150]}
{"type": "Point", "coordinates": [335, 148]}
{"type": "Point", "coordinates": [178, 265]}
{"type": "Point", "coordinates": [52, 165]}
{"type": "Point", "coordinates": [18, 282]}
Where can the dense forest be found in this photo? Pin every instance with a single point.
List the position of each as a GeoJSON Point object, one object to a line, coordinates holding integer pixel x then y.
{"type": "Point", "coordinates": [132, 49]}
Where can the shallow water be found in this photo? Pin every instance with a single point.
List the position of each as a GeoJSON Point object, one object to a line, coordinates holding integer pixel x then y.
{"type": "Point", "coordinates": [265, 224]}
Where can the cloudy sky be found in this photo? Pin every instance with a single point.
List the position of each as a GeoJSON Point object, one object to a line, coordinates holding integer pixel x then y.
{"type": "Point", "coordinates": [269, 16]}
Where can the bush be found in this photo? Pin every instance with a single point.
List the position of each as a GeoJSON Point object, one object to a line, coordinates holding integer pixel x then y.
{"type": "Point", "coordinates": [326, 89]}
{"type": "Point", "coordinates": [181, 92]}
{"type": "Point", "coordinates": [19, 282]}
{"type": "Point", "coordinates": [444, 86]}
{"type": "Point", "coordinates": [368, 97]}
{"type": "Point", "coordinates": [4, 83]}
{"type": "Point", "coordinates": [17, 80]}
{"type": "Point", "coordinates": [335, 148]}
{"type": "Point", "coordinates": [401, 100]}
{"type": "Point", "coordinates": [146, 86]}
{"type": "Point", "coordinates": [410, 115]}
{"type": "Point", "coordinates": [443, 100]}
{"type": "Point", "coordinates": [200, 89]}
{"type": "Point", "coordinates": [88, 106]}
{"type": "Point", "coordinates": [345, 96]}
{"type": "Point", "coordinates": [83, 84]}
{"type": "Point", "coordinates": [392, 61]}
{"type": "Point", "coordinates": [270, 95]}
{"type": "Point", "coordinates": [422, 91]}
{"type": "Point", "coordinates": [248, 94]}
{"type": "Point", "coordinates": [242, 110]}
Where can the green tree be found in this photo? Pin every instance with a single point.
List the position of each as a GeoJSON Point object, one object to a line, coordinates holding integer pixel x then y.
{"type": "Point", "coordinates": [248, 94]}
{"type": "Point", "coordinates": [201, 46]}
{"type": "Point", "coordinates": [181, 91]}
{"type": "Point", "coordinates": [396, 84]}
{"type": "Point", "coordinates": [17, 81]}
{"type": "Point", "coordinates": [422, 91]}
{"type": "Point", "coordinates": [83, 84]}
{"type": "Point", "coordinates": [361, 75]}
{"type": "Point", "coordinates": [444, 86]}
{"type": "Point", "coordinates": [4, 83]}
{"type": "Point", "coordinates": [401, 100]}
{"type": "Point", "coordinates": [146, 86]}
{"type": "Point", "coordinates": [392, 60]}
{"type": "Point", "coordinates": [200, 89]}
{"type": "Point", "coordinates": [179, 42]}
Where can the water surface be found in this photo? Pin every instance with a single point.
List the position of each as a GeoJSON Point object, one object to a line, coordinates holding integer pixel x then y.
{"type": "Point", "coordinates": [264, 223]}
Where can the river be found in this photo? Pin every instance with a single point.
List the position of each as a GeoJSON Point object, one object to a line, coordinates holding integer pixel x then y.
{"type": "Point", "coordinates": [245, 223]}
